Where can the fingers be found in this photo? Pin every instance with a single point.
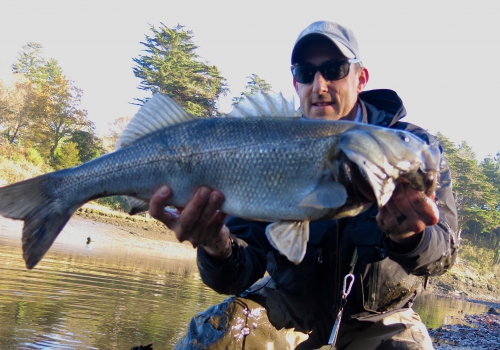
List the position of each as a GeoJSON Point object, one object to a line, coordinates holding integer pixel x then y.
{"type": "Point", "coordinates": [157, 207]}
{"type": "Point", "coordinates": [202, 208]}
{"type": "Point", "coordinates": [408, 211]}
{"type": "Point", "coordinates": [426, 208]}
{"type": "Point", "coordinates": [200, 222]}
{"type": "Point", "coordinates": [421, 207]}
{"type": "Point", "coordinates": [201, 214]}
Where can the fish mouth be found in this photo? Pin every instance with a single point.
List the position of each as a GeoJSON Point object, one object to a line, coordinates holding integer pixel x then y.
{"type": "Point", "coordinates": [370, 183]}
{"type": "Point", "coordinates": [424, 181]}
{"type": "Point", "coordinates": [355, 180]}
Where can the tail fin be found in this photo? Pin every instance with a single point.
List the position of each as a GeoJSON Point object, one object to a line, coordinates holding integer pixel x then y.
{"type": "Point", "coordinates": [43, 215]}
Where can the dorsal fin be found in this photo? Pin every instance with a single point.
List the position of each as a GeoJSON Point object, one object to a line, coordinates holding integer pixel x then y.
{"type": "Point", "coordinates": [158, 112]}
{"type": "Point", "coordinates": [264, 105]}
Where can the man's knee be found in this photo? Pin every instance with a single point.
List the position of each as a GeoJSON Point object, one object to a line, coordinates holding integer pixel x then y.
{"type": "Point", "coordinates": [235, 323]}
{"type": "Point", "coordinates": [401, 330]}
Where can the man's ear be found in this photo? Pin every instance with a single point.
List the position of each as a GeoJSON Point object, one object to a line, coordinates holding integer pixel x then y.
{"type": "Point", "coordinates": [363, 77]}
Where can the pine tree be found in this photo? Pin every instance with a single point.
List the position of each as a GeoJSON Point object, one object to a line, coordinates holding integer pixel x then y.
{"type": "Point", "coordinates": [255, 85]}
{"type": "Point", "coordinates": [171, 66]}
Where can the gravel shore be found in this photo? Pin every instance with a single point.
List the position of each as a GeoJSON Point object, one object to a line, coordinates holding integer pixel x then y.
{"type": "Point", "coordinates": [479, 332]}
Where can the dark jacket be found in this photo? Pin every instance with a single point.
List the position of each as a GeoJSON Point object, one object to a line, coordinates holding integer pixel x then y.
{"type": "Point", "coordinates": [385, 279]}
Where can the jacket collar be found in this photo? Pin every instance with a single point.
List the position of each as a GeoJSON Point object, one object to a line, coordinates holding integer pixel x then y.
{"type": "Point", "coordinates": [381, 107]}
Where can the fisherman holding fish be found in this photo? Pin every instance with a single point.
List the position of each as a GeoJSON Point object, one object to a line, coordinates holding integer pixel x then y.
{"type": "Point", "coordinates": [355, 286]}
{"type": "Point", "coordinates": [347, 209]}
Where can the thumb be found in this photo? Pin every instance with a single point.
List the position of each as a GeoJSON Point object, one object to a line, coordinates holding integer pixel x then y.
{"type": "Point", "coordinates": [157, 205]}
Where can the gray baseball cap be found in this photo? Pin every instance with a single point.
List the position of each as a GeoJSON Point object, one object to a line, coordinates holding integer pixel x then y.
{"type": "Point", "coordinates": [341, 36]}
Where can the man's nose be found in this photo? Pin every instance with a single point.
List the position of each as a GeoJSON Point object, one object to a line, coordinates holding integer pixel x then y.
{"type": "Point", "coordinates": [319, 83]}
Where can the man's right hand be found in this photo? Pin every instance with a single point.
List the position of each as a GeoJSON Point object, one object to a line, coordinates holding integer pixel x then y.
{"type": "Point", "coordinates": [200, 222]}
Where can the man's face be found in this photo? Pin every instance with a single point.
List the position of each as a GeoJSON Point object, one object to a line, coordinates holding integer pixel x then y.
{"type": "Point", "coordinates": [325, 99]}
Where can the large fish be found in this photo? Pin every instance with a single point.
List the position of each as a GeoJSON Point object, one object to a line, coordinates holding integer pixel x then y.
{"type": "Point", "coordinates": [288, 171]}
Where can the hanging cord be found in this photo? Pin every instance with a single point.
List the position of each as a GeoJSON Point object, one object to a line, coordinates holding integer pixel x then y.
{"type": "Point", "coordinates": [346, 289]}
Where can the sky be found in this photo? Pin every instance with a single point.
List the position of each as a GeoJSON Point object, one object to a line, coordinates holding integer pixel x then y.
{"type": "Point", "coordinates": [440, 56]}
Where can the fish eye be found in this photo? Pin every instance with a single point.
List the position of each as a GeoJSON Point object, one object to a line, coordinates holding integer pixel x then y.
{"type": "Point", "coordinates": [404, 137]}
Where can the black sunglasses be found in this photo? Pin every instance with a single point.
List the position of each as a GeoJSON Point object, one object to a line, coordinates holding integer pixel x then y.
{"type": "Point", "coordinates": [333, 70]}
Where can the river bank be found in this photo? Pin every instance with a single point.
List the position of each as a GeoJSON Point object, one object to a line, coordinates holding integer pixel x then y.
{"type": "Point", "coordinates": [110, 231]}
{"type": "Point", "coordinates": [478, 332]}
{"type": "Point", "coordinates": [473, 332]}
{"type": "Point", "coordinates": [463, 281]}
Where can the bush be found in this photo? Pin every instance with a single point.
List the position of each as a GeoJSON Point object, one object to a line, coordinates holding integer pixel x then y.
{"type": "Point", "coordinates": [118, 203]}
{"type": "Point", "coordinates": [13, 171]}
{"type": "Point", "coordinates": [33, 156]}
{"type": "Point", "coordinates": [18, 163]}
{"type": "Point", "coordinates": [66, 156]}
{"type": "Point", "coordinates": [480, 258]}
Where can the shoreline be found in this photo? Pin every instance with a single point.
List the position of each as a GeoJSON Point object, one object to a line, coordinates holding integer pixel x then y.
{"type": "Point", "coordinates": [109, 234]}
{"type": "Point", "coordinates": [106, 226]}
{"type": "Point", "coordinates": [479, 331]}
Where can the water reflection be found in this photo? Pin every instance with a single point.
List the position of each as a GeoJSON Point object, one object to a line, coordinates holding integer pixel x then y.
{"type": "Point", "coordinates": [115, 298]}
{"type": "Point", "coordinates": [77, 300]}
{"type": "Point", "coordinates": [436, 311]}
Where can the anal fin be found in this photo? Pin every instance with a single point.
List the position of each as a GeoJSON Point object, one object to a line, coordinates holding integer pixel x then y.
{"type": "Point", "coordinates": [289, 238]}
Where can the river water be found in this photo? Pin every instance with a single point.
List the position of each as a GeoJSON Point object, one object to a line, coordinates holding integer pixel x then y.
{"type": "Point", "coordinates": [90, 298]}
{"type": "Point", "coordinates": [82, 299]}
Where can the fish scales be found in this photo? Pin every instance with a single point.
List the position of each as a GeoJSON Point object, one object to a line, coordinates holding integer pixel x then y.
{"type": "Point", "coordinates": [260, 170]}
{"type": "Point", "coordinates": [257, 167]}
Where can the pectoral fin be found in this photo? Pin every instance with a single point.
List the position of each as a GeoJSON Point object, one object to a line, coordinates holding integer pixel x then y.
{"type": "Point", "coordinates": [289, 238]}
{"type": "Point", "coordinates": [326, 195]}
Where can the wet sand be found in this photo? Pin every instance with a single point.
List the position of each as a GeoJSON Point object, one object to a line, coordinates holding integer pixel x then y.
{"type": "Point", "coordinates": [141, 237]}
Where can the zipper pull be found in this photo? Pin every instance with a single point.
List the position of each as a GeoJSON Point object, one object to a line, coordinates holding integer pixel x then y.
{"type": "Point", "coordinates": [320, 256]}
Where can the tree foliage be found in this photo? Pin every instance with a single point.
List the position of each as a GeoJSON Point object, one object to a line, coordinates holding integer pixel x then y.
{"type": "Point", "coordinates": [491, 169]}
{"type": "Point", "coordinates": [41, 109]}
{"type": "Point", "coordinates": [15, 103]}
{"type": "Point", "coordinates": [255, 85]}
{"type": "Point", "coordinates": [57, 109]}
{"type": "Point", "coordinates": [476, 187]}
{"type": "Point", "coordinates": [171, 66]}
{"type": "Point", "coordinates": [89, 146]}
{"type": "Point", "coordinates": [66, 156]}
{"type": "Point", "coordinates": [34, 66]}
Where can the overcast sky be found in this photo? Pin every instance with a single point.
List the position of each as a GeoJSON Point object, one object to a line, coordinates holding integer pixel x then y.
{"type": "Point", "coordinates": [440, 56]}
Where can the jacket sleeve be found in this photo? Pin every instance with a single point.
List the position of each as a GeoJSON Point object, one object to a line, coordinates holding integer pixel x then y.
{"type": "Point", "coordinates": [438, 248]}
{"type": "Point", "coordinates": [247, 263]}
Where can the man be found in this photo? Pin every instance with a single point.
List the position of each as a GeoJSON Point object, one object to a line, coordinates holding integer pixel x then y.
{"type": "Point", "coordinates": [382, 255]}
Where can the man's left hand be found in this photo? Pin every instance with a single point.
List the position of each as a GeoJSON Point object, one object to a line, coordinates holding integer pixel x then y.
{"type": "Point", "coordinates": [407, 214]}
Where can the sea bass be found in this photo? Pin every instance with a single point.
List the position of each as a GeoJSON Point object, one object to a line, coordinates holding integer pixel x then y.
{"type": "Point", "coordinates": [287, 171]}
